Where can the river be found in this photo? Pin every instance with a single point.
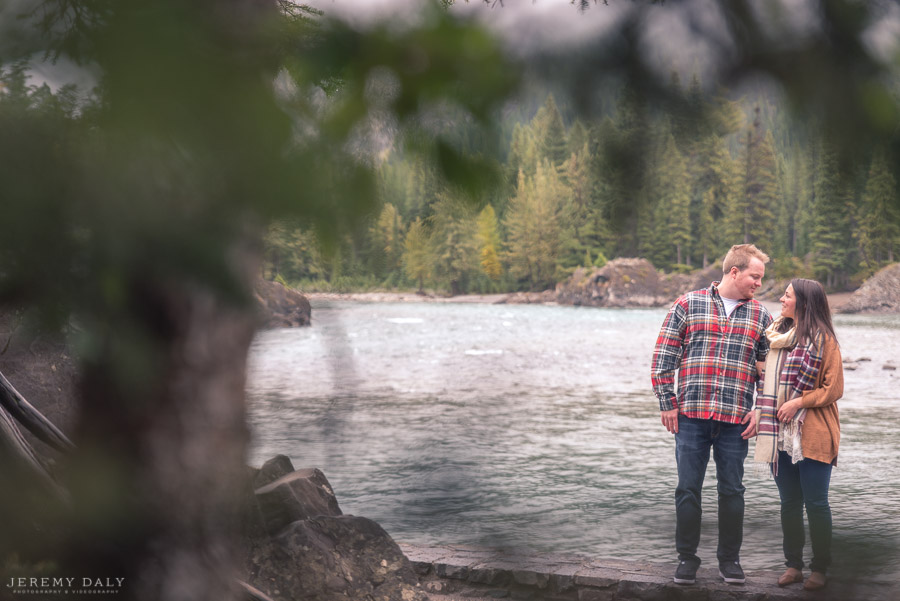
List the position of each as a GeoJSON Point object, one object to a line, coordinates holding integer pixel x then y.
{"type": "Point", "coordinates": [534, 428]}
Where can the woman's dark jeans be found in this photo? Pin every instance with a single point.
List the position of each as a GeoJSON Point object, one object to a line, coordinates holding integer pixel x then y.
{"type": "Point", "coordinates": [805, 482]}
{"type": "Point", "coordinates": [693, 441]}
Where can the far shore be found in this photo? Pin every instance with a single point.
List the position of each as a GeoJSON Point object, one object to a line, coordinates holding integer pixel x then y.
{"type": "Point", "coordinates": [405, 297]}
{"type": "Point", "coordinates": [835, 300]}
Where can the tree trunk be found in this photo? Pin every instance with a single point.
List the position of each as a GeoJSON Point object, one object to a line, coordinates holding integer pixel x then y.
{"type": "Point", "coordinates": [163, 438]}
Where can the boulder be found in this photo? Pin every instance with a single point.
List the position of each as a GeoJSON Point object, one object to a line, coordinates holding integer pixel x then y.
{"type": "Point", "coordinates": [272, 470]}
{"type": "Point", "coordinates": [878, 294]}
{"type": "Point", "coordinates": [334, 558]}
{"type": "Point", "coordinates": [282, 307]}
{"type": "Point", "coordinates": [299, 545]}
{"type": "Point", "coordinates": [630, 282]}
{"type": "Point", "coordinates": [300, 495]}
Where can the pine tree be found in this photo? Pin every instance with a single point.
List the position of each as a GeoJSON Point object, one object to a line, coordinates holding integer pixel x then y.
{"type": "Point", "coordinates": [791, 181]}
{"type": "Point", "coordinates": [417, 258]}
{"type": "Point", "coordinates": [678, 199]}
{"type": "Point", "coordinates": [578, 138]}
{"type": "Point", "coordinates": [711, 170]}
{"type": "Point", "coordinates": [454, 243]}
{"type": "Point", "coordinates": [716, 184]}
{"type": "Point", "coordinates": [523, 152]}
{"type": "Point", "coordinates": [584, 226]}
{"type": "Point", "coordinates": [808, 167]}
{"type": "Point", "coordinates": [291, 253]}
{"type": "Point", "coordinates": [622, 148]}
{"type": "Point", "coordinates": [672, 227]}
{"type": "Point", "coordinates": [385, 247]}
{"type": "Point", "coordinates": [831, 236]}
{"type": "Point", "coordinates": [489, 243]}
{"type": "Point", "coordinates": [751, 218]}
{"type": "Point", "coordinates": [550, 133]}
{"type": "Point", "coordinates": [533, 223]}
{"type": "Point", "coordinates": [879, 214]}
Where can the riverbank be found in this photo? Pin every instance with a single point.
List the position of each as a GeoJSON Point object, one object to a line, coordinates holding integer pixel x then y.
{"type": "Point", "coordinates": [632, 283]}
{"type": "Point", "coordinates": [407, 297]}
{"type": "Point", "coordinates": [835, 300]}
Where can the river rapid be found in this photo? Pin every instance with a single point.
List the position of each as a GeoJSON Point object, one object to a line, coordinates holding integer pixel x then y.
{"type": "Point", "coordinates": [534, 428]}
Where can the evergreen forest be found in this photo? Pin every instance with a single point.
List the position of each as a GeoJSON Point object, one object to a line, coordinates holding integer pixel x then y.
{"type": "Point", "coordinates": [676, 185]}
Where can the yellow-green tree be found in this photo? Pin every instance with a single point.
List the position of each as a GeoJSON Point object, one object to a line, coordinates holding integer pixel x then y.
{"type": "Point", "coordinates": [533, 223]}
{"type": "Point", "coordinates": [489, 241]}
{"type": "Point", "coordinates": [417, 257]}
{"type": "Point", "coordinates": [385, 239]}
{"type": "Point", "coordinates": [454, 243]}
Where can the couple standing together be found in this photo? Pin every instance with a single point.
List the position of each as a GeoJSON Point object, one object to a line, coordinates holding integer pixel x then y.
{"type": "Point", "coordinates": [724, 346]}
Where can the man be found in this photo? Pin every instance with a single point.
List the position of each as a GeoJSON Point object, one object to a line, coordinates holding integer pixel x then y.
{"type": "Point", "coordinates": [714, 339]}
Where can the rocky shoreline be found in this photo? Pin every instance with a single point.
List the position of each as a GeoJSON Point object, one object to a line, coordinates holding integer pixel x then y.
{"type": "Point", "coordinates": [623, 283]}
{"type": "Point", "coordinates": [300, 546]}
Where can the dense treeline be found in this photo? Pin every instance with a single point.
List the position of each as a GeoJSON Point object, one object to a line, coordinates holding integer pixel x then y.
{"type": "Point", "coordinates": [676, 186]}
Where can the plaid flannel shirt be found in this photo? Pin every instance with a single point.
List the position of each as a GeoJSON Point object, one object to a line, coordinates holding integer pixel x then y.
{"type": "Point", "coordinates": [715, 356]}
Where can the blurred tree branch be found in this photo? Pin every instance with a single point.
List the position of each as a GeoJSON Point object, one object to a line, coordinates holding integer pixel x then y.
{"type": "Point", "coordinates": [138, 213]}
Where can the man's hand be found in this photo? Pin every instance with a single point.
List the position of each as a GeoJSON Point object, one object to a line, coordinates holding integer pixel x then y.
{"type": "Point", "coordinates": [750, 431]}
{"type": "Point", "coordinates": [670, 420]}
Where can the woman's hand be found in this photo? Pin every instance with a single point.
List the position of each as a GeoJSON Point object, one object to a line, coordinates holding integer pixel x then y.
{"type": "Point", "coordinates": [787, 411]}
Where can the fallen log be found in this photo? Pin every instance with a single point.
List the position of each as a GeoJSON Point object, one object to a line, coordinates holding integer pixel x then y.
{"type": "Point", "coordinates": [32, 419]}
{"type": "Point", "coordinates": [22, 456]}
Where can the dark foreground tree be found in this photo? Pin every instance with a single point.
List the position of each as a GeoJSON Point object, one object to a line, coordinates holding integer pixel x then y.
{"type": "Point", "coordinates": [135, 217]}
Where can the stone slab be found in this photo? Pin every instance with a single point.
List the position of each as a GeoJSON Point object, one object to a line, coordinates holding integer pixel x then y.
{"type": "Point", "coordinates": [555, 577]}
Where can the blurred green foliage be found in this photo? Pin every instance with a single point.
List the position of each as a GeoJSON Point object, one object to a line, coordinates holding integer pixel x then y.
{"type": "Point", "coordinates": [209, 120]}
{"type": "Point", "coordinates": [777, 145]}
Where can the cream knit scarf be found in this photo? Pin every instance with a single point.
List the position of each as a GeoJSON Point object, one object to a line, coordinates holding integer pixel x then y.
{"type": "Point", "coordinates": [774, 393]}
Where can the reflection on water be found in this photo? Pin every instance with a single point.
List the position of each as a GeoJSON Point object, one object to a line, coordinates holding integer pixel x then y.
{"type": "Point", "coordinates": [534, 427]}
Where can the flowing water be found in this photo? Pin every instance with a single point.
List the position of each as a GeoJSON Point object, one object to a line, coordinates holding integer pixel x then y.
{"type": "Point", "coordinates": [534, 428]}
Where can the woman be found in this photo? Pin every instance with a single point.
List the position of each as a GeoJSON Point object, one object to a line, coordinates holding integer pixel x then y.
{"type": "Point", "coordinates": [799, 429]}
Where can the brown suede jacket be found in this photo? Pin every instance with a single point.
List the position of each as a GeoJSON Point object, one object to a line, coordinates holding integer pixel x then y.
{"type": "Point", "coordinates": [821, 433]}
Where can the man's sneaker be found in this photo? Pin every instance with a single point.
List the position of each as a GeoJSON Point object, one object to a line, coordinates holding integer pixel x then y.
{"type": "Point", "coordinates": [731, 572]}
{"type": "Point", "coordinates": [686, 572]}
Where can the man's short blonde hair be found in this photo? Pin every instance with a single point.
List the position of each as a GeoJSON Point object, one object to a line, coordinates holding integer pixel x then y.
{"type": "Point", "coordinates": [739, 256]}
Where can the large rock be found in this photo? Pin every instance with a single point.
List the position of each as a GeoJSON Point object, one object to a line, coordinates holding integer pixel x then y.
{"type": "Point", "coordinates": [300, 495]}
{"type": "Point", "coordinates": [331, 558]}
{"type": "Point", "coordinates": [282, 307]}
{"type": "Point", "coordinates": [630, 282]}
{"type": "Point", "coordinates": [300, 546]}
{"type": "Point", "coordinates": [879, 294]}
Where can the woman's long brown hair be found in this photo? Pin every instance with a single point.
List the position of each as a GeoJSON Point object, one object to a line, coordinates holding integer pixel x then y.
{"type": "Point", "coordinates": [812, 314]}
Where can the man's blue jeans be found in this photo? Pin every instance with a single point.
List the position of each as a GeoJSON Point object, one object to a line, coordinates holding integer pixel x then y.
{"type": "Point", "coordinates": [799, 484]}
{"type": "Point", "coordinates": [693, 441]}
